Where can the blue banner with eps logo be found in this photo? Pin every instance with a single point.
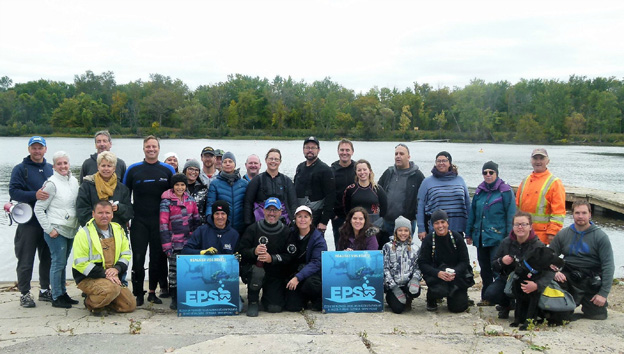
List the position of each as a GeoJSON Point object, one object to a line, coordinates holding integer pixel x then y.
{"type": "Point", "coordinates": [208, 285]}
{"type": "Point", "coordinates": [352, 281]}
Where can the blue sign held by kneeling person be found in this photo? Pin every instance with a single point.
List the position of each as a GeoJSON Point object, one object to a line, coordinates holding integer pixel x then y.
{"type": "Point", "coordinates": [208, 285]}
{"type": "Point", "coordinates": [352, 281]}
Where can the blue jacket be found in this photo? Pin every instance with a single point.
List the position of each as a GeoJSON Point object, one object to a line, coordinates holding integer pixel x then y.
{"type": "Point", "coordinates": [231, 190]}
{"type": "Point", "coordinates": [26, 179]}
{"type": "Point", "coordinates": [316, 246]}
{"type": "Point", "coordinates": [491, 214]}
{"type": "Point", "coordinates": [208, 235]}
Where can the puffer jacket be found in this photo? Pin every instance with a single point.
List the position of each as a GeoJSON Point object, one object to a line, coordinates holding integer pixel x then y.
{"type": "Point", "coordinates": [491, 214]}
{"type": "Point", "coordinates": [400, 265]}
{"type": "Point", "coordinates": [177, 220]}
{"type": "Point", "coordinates": [230, 188]}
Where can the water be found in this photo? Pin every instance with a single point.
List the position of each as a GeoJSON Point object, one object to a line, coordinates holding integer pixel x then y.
{"type": "Point", "coordinates": [581, 166]}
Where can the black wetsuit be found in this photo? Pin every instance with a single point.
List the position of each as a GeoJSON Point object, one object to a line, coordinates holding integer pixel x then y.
{"type": "Point", "coordinates": [147, 182]}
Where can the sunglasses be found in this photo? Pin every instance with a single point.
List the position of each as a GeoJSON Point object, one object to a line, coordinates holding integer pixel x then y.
{"type": "Point", "coordinates": [488, 172]}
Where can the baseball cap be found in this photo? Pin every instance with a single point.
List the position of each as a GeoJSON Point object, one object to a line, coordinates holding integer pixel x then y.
{"type": "Point", "coordinates": [312, 139]}
{"type": "Point", "coordinates": [37, 140]}
{"type": "Point", "coordinates": [273, 202]}
{"type": "Point", "coordinates": [539, 151]}
{"type": "Point", "coordinates": [208, 150]}
{"type": "Point", "coordinates": [219, 152]}
{"type": "Point", "coordinates": [303, 208]}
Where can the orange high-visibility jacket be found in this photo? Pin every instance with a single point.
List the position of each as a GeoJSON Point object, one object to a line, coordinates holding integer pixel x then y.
{"type": "Point", "coordinates": [543, 195]}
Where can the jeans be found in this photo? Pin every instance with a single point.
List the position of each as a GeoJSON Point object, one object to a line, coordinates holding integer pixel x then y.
{"type": "Point", "coordinates": [60, 248]}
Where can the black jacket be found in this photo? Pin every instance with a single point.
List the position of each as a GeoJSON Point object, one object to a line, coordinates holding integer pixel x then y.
{"type": "Point", "coordinates": [89, 167]}
{"type": "Point", "coordinates": [414, 180]}
{"type": "Point", "coordinates": [87, 197]}
{"type": "Point", "coordinates": [264, 186]}
{"type": "Point", "coordinates": [343, 177]}
{"type": "Point", "coordinates": [317, 183]}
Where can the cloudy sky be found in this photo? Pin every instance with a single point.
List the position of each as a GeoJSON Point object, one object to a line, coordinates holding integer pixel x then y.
{"type": "Point", "coordinates": [359, 44]}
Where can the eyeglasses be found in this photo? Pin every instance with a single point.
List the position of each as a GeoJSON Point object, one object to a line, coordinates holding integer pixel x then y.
{"type": "Point", "coordinates": [442, 161]}
{"type": "Point", "coordinates": [192, 169]}
{"type": "Point", "coordinates": [272, 210]}
{"type": "Point", "coordinates": [521, 224]}
{"type": "Point", "coordinates": [488, 172]}
{"type": "Point", "coordinates": [274, 159]}
{"type": "Point", "coordinates": [310, 148]}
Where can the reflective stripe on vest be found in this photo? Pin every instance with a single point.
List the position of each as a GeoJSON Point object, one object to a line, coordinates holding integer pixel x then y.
{"type": "Point", "coordinates": [539, 215]}
{"type": "Point", "coordinates": [91, 257]}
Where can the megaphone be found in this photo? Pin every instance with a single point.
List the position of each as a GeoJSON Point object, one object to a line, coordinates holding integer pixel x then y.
{"type": "Point", "coordinates": [21, 213]}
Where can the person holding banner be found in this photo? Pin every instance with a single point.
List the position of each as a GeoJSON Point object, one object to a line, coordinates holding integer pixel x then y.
{"type": "Point", "coordinates": [217, 236]}
{"type": "Point", "coordinates": [357, 233]}
{"type": "Point", "coordinates": [401, 274]}
{"type": "Point", "coordinates": [445, 265]}
{"type": "Point", "coordinates": [264, 255]}
{"type": "Point", "coordinates": [306, 245]}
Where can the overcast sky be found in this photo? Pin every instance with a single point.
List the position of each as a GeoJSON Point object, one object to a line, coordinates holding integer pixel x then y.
{"type": "Point", "coordinates": [359, 44]}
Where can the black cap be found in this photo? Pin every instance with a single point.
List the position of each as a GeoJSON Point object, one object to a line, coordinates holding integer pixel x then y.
{"type": "Point", "coordinates": [438, 215]}
{"type": "Point", "coordinates": [312, 139]}
{"type": "Point", "coordinates": [179, 177]}
{"type": "Point", "coordinates": [208, 150]}
{"type": "Point", "coordinates": [221, 205]}
{"type": "Point", "coordinates": [490, 165]}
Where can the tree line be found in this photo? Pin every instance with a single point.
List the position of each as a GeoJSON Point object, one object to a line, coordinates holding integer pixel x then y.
{"type": "Point", "coordinates": [580, 109]}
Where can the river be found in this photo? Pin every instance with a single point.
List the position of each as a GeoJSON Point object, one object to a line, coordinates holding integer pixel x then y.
{"type": "Point", "coordinates": [581, 166]}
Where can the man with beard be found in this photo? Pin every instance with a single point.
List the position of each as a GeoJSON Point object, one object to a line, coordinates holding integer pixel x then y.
{"type": "Point", "coordinates": [315, 186]}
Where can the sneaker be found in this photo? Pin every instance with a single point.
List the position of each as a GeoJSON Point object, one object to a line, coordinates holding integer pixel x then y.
{"type": "Point", "coordinates": [164, 294]}
{"type": "Point", "coordinates": [26, 300]}
{"type": "Point", "coordinates": [174, 304]}
{"type": "Point", "coordinates": [61, 303]}
{"type": "Point", "coordinates": [503, 313]}
{"type": "Point", "coordinates": [151, 297]}
{"type": "Point", "coordinates": [432, 305]}
{"type": "Point", "coordinates": [274, 308]}
{"type": "Point", "coordinates": [69, 300]}
{"type": "Point", "coordinates": [252, 310]}
{"type": "Point", "coordinates": [45, 296]}
{"type": "Point", "coordinates": [140, 300]}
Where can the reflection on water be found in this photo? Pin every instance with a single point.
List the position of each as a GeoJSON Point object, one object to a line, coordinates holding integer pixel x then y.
{"type": "Point", "coordinates": [567, 162]}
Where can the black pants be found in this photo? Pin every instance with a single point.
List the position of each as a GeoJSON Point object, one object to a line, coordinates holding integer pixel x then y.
{"type": "Point", "coordinates": [28, 241]}
{"type": "Point", "coordinates": [485, 255]}
{"type": "Point", "coordinates": [337, 222]}
{"type": "Point", "coordinates": [456, 297]}
{"type": "Point", "coordinates": [309, 289]}
{"type": "Point", "coordinates": [495, 293]}
{"type": "Point", "coordinates": [583, 293]}
{"type": "Point", "coordinates": [395, 305]}
{"type": "Point", "coordinates": [144, 233]}
{"type": "Point", "coordinates": [273, 288]}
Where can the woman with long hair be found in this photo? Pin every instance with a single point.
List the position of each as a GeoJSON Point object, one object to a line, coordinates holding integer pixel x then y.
{"type": "Point", "coordinates": [357, 233]}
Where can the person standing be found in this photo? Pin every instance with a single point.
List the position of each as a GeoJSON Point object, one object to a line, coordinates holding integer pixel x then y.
{"type": "Point", "coordinates": [147, 180]}
{"type": "Point", "coordinates": [489, 221]}
{"type": "Point", "coordinates": [229, 186]}
{"type": "Point", "coordinates": [589, 264]}
{"type": "Point", "coordinates": [57, 216]}
{"type": "Point", "coordinates": [197, 189]}
{"type": "Point", "coordinates": [171, 158]}
{"type": "Point", "coordinates": [209, 171]}
{"type": "Point", "coordinates": [542, 195]}
{"type": "Point", "coordinates": [25, 186]}
{"type": "Point", "coordinates": [315, 185]}
{"type": "Point", "coordinates": [401, 183]}
{"type": "Point", "coordinates": [103, 142]}
{"type": "Point", "coordinates": [252, 167]}
{"type": "Point", "coordinates": [344, 175]}
{"type": "Point", "coordinates": [444, 190]}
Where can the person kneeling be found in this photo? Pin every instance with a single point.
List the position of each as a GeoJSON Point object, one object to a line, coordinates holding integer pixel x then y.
{"type": "Point", "coordinates": [401, 273]}
{"type": "Point", "coordinates": [445, 265]}
{"type": "Point", "coordinates": [306, 246]}
{"type": "Point", "coordinates": [263, 251]}
{"type": "Point", "coordinates": [101, 257]}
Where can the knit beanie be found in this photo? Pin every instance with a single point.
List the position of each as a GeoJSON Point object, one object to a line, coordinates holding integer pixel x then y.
{"type": "Point", "coordinates": [229, 155]}
{"type": "Point", "coordinates": [445, 154]}
{"type": "Point", "coordinates": [178, 177]}
{"type": "Point", "coordinates": [438, 215]}
{"type": "Point", "coordinates": [221, 205]}
{"type": "Point", "coordinates": [170, 154]}
{"type": "Point", "coordinates": [191, 163]}
{"type": "Point", "coordinates": [402, 221]}
{"type": "Point", "coordinates": [490, 165]}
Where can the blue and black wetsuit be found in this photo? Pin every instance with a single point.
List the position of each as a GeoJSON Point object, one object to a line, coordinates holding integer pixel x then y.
{"type": "Point", "coordinates": [147, 182]}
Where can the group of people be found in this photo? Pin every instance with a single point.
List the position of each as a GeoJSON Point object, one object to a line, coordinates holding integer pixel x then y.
{"type": "Point", "coordinates": [277, 225]}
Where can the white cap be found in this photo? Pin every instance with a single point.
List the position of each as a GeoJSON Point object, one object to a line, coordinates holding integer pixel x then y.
{"type": "Point", "coordinates": [303, 208]}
